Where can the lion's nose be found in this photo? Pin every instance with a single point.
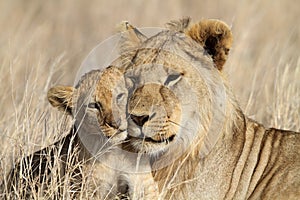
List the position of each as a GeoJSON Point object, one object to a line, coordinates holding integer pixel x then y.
{"type": "Point", "coordinates": [140, 120]}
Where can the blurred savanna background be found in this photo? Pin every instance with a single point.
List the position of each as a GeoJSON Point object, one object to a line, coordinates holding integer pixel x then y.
{"type": "Point", "coordinates": [42, 43]}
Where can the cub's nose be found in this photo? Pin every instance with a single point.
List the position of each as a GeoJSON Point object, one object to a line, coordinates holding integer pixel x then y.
{"type": "Point", "coordinates": [139, 120]}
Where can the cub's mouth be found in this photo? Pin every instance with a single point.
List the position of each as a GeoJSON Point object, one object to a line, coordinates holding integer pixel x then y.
{"type": "Point", "coordinates": [116, 136]}
{"type": "Point", "coordinates": [116, 132]}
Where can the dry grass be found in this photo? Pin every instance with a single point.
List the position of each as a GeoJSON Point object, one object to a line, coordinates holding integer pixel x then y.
{"type": "Point", "coordinates": [42, 43]}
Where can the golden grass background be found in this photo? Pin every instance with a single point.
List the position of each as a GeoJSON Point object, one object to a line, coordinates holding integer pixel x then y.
{"type": "Point", "coordinates": [42, 43]}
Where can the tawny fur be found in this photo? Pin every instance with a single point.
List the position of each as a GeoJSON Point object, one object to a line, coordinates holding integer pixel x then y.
{"type": "Point", "coordinates": [230, 156]}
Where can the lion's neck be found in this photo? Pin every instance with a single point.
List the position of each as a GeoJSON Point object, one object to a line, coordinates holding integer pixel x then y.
{"type": "Point", "coordinates": [192, 171]}
{"type": "Point", "coordinates": [214, 172]}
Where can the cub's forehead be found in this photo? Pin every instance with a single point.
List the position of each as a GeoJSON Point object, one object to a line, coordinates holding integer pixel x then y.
{"type": "Point", "coordinates": [87, 84]}
{"type": "Point", "coordinates": [111, 77]}
{"type": "Point", "coordinates": [108, 78]}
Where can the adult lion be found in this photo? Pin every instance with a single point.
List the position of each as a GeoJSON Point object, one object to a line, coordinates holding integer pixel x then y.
{"type": "Point", "coordinates": [185, 117]}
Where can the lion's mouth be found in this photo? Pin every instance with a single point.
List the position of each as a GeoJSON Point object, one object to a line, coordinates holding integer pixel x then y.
{"type": "Point", "coordinates": [149, 139]}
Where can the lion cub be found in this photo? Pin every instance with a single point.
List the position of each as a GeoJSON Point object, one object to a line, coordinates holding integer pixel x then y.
{"type": "Point", "coordinates": [98, 106]}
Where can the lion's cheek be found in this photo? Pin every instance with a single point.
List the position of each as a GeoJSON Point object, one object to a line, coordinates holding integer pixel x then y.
{"type": "Point", "coordinates": [150, 131]}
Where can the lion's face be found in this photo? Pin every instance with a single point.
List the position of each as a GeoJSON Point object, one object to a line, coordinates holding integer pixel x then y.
{"type": "Point", "coordinates": [163, 109]}
{"type": "Point", "coordinates": [155, 113]}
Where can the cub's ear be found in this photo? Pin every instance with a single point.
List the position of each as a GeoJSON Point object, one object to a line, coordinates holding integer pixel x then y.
{"type": "Point", "coordinates": [216, 38]}
{"type": "Point", "coordinates": [131, 37]}
{"type": "Point", "coordinates": [61, 97]}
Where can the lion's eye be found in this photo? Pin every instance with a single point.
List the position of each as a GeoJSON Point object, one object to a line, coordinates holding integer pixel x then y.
{"type": "Point", "coordinates": [95, 105]}
{"type": "Point", "coordinates": [172, 79]}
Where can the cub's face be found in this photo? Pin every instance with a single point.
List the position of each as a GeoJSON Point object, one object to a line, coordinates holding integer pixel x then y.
{"type": "Point", "coordinates": [104, 109]}
{"type": "Point", "coordinates": [97, 103]}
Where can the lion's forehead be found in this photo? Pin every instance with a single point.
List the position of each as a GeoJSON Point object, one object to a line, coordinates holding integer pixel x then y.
{"type": "Point", "coordinates": [166, 47]}
{"type": "Point", "coordinates": [170, 45]}
{"type": "Point", "coordinates": [148, 94]}
{"type": "Point", "coordinates": [165, 64]}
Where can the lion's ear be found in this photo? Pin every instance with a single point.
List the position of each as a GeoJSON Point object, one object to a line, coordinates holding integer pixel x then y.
{"type": "Point", "coordinates": [216, 38]}
{"type": "Point", "coordinates": [180, 25]}
{"type": "Point", "coordinates": [61, 97]}
{"type": "Point", "coordinates": [131, 37]}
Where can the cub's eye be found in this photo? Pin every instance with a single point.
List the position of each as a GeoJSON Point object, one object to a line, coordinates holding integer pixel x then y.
{"type": "Point", "coordinates": [92, 105]}
{"type": "Point", "coordinates": [131, 83]}
{"type": "Point", "coordinates": [120, 96]}
{"type": "Point", "coordinates": [172, 79]}
{"type": "Point", "coordinates": [95, 105]}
